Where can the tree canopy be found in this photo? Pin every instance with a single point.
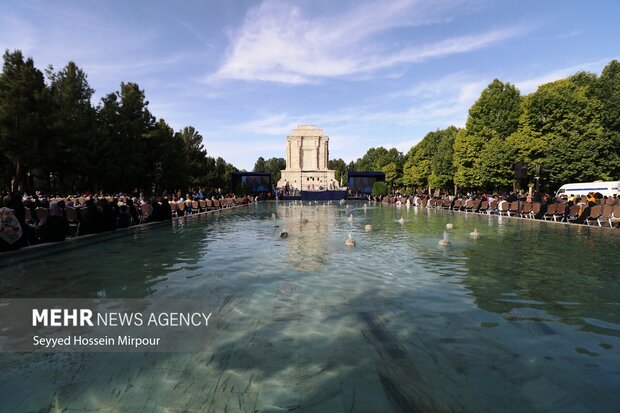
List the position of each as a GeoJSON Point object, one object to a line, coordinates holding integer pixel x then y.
{"type": "Point", "coordinates": [52, 137]}
{"type": "Point", "coordinates": [272, 165]}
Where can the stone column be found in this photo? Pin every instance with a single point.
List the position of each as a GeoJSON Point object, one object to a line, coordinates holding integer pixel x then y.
{"type": "Point", "coordinates": [318, 152]}
{"type": "Point", "coordinates": [288, 154]}
{"type": "Point", "coordinates": [325, 153]}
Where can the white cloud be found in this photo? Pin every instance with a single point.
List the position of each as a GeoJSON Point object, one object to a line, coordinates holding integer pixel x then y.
{"type": "Point", "coordinates": [280, 42]}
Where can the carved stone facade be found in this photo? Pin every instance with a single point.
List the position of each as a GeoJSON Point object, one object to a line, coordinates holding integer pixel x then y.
{"type": "Point", "coordinates": [307, 154]}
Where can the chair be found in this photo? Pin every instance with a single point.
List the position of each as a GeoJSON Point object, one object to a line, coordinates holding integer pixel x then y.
{"type": "Point", "coordinates": [484, 206]}
{"type": "Point", "coordinates": [595, 214]}
{"type": "Point", "coordinates": [216, 203]}
{"type": "Point", "coordinates": [573, 213]}
{"type": "Point", "coordinates": [615, 216]}
{"type": "Point", "coordinates": [146, 210]}
{"type": "Point", "coordinates": [29, 218]}
{"type": "Point", "coordinates": [173, 208]}
{"type": "Point", "coordinates": [73, 220]}
{"type": "Point", "coordinates": [180, 208]}
{"type": "Point", "coordinates": [457, 204]}
{"type": "Point", "coordinates": [526, 210]}
{"type": "Point", "coordinates": [492, 207]}
{"type": "Point", "coordinates": [513, 209]}
{"type": "Point", "coordinates": [560, 209]}
{"type": "Point", "coordinates": [446, 203]}
{"type": "Point", "coordinates": [41, 213]}
{"type": "Point", "coordinates": [536, 206]}
{"type": "Point", "coordinates": [423, 202]}
{"type": "Point", "coordinates": [606, 215]}
{"type": "Point", "coordinates": [503, 208]}
{"type": "Point", "coordinates": [550, 211]}
{"type": "Point", "coordinates": [203, 205]}
{"type": "Point", "coordinates": [195, 207]}
{"type": "Point", "coordinates": [209, 204]}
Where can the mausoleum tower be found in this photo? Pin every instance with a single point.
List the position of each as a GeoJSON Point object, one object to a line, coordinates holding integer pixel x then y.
{"type": "Point", "coordinates": [307, 154]}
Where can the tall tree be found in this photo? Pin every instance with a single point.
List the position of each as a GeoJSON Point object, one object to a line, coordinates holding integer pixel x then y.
{"type": "Point", "coordinates": [496, 112]}
{"type": "Point", "coordinates": [23, 112]}
{"type": "Point", "coordinates": [566, 122]}
{"type": "Point", "coordinates": [607, 90]}
{"type": "Point", "coordinates": [196, 156]}
{"type": "Point", "coordinates": [377, 158]}
{"type": "Point", "coordinates": [442, 161]}
{"type": "Point", "coordinates": [497, 161]}
{"type": "Point", "coordinates": [259, 165]}
{"type": "Point", "coordinates": [340, 168]}
{"type": "Point", "coordinates": [494, 115]}
{"type": "Point", "coordinates": [71, 126]}
{"type": "Point", "coordinates": [393, 174]}
{"type": "Point", "coordinates": [272, 165]}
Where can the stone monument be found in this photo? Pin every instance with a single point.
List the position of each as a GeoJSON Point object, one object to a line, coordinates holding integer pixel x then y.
{"type": "Point", "coordinates": [307, 153]}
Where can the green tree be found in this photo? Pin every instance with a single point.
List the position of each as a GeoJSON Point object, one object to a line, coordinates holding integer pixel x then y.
{"type": "Point", "coordinates": [259, 165]}
{"type": "Point", "coordinates": [467, 149]}
{"type": "Point", "coordinates": [379, 189]}
{"type": "Point", "coordinates": [340, 168]}
{"type": "Point", "coordinates": [72, 126]}
{"type": "Point", "coordinates": [275, 166]}
{"type": "Point", "coordinates": [272, 165]}
{"type": "Point", "coordinates": [393, 175]}
{"type": "Point", "coordinates": [566, 122]}
{"type": "Point", "coordinates": [23, 107]}
{"type": "Point", "coordinates": [497, 161]}
{"type": "Point", "coordinates": [496, 112]}
{"type": "Point", "coordinates": [376, 159]}
{"type": "Point", "coordinates": [417, 173]}
{"type": "Point", "coordinates": [135, 120]}
{"type": "Point", "coordinates": [105, 169]}
{"type": "Point", "coordinates": [166, 154]}
{"type": "Point", "coordinates": [196, 156]}
{"type": "Point", "coordinates": [607, 91]}
{"type": "Point", "coordinates": [429, 164]}
{"type": "Point", "coordinates": [495, 115]}
{"type": "Point", "coordinates": [442, 160]}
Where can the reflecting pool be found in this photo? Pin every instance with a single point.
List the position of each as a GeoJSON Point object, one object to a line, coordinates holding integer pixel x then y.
{"type": "Point", "coordinates": [525, 317]}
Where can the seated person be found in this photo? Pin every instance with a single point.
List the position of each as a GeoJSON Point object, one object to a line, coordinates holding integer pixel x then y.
{"type": "Point", "coordinates": [53, 228]}
{"type": "Point", "coordinates": [10, 231]}
{"type": "Point", "coordinates": [124, 217]}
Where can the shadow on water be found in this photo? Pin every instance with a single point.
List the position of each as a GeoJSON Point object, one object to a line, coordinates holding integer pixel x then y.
{"type": "Point", "coordinates": [396, 324]}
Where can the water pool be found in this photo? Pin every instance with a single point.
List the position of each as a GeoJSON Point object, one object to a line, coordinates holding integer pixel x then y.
{"type": "Point", "coordinates": [524, 318]}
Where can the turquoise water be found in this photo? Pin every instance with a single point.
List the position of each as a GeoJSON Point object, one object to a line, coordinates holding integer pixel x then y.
{"type": "Point", "coordinates": [524, 318]}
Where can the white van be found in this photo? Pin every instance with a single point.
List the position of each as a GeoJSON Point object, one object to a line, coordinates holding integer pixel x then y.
{"type": "Point", "coordinates": [608, 189]}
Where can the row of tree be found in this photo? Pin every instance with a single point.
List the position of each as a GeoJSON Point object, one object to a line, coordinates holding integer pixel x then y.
{"type": "Point", "coordinates": [52, 138]}
{"type": "Point", "coordinates": [565, 131]}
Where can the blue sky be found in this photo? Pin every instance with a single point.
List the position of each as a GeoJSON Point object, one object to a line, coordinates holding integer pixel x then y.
{"type": "Point", "coordinates": [370, 73]}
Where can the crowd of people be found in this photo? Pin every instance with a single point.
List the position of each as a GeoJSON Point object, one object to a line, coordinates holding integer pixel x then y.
{"type": "Point", "coordinates": [573, 209]}
{"type": "Point", "coordinates": [33, 219]}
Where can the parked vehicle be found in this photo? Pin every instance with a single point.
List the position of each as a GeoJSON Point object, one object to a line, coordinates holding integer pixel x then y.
{"type": "Point", "coordinates": [609, 188]}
